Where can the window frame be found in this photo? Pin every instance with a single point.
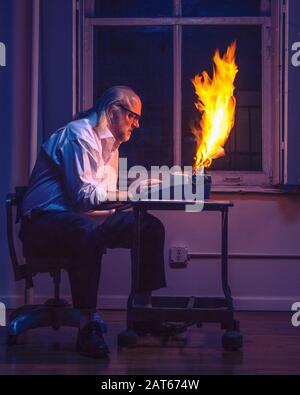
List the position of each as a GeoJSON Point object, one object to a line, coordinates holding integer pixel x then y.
{"type": "Point", "coordinates": [223, 178]}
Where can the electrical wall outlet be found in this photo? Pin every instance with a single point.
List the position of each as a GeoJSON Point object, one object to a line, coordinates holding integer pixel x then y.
{"type": "Point", "coordinates": [178, 257]}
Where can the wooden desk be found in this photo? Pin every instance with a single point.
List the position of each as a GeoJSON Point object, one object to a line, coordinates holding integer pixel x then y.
{"type": "Point", "coordinates": [191, 310]}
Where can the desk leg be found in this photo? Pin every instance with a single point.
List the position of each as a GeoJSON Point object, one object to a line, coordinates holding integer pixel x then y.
{"type": "Point", "coordinates": [232, 338]}
{"type": "Point", "coordinates": [135, 265]}
{"type": "Point", "coordinates": [224, 257]}
{"type": "Point", "coordinates": [135, 268]}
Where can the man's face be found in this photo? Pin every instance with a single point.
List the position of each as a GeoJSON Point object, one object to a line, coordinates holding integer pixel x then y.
{"type": "Point", "coordinates": [125, 118]}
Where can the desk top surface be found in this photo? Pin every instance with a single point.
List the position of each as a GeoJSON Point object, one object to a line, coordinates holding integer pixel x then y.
{"type": "Point", "coordinates": [181, 204]}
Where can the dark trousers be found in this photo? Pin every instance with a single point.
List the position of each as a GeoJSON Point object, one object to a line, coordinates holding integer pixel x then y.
{"type": "Point", "coordinates": [82, 240]}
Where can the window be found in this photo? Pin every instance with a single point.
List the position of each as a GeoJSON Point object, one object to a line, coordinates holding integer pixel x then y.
{"type": "Point", "coordinates": [133, 8]}
{"type": "Point", "coordinates": [157, 47]}
{"type": "Point", "coordinates": [214, 8]}
{"type": "Point", "coordinates": [244, 146]}
{"type": "Point", "coordinates": [123, 55]}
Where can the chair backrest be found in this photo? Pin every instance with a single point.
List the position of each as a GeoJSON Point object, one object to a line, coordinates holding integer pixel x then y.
{"type": "Point", "coordinates": [13, 214]}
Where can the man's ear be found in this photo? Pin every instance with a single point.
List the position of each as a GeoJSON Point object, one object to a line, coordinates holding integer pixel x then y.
{"type": "Point", "coordinates": [111, 111]}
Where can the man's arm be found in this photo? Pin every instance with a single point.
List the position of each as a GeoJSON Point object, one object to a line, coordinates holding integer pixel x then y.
{"type": "Point", "coordinates": [80, 162]}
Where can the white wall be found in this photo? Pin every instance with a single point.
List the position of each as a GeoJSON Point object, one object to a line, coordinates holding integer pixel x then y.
{"type": "Point", "coordinates": [257, 225]}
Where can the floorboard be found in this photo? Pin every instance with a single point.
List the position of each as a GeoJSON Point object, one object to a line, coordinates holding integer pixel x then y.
{"type": "Point", "coordinates": [271, 346]}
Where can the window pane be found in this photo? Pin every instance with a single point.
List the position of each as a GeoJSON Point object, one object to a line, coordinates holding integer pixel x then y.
{"type": "Point", "coordinates": [224, 8]}
{"type": "Point", "coordinates": [133, 8]}
{"type": "Point", "coordinates": [140, 57]}
{"type": "Point", "coordinates": [244, 146]}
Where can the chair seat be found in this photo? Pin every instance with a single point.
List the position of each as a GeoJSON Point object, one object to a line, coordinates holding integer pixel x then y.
{"type": "Point", "coordinates": [55, 312]}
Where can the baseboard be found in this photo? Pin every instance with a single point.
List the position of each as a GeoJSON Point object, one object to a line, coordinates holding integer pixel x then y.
{"type": "Point", "coordinates": [264, 303]}
{"type": "Point", "coordinates": [115, 302]}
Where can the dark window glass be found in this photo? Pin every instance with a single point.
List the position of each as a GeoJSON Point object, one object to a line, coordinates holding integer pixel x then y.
{"type": "Point", "coordinates": [244, 146]}
{"type": "Point", "coordinates": [142, 58]}
{"type": "Point", "coordinates": [133, 8]}
{"type": "Point", "coordinates": [208, 8]}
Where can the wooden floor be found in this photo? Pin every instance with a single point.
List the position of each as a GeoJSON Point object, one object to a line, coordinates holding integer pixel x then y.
{"type": "Point", "coordinates": [271, 346]}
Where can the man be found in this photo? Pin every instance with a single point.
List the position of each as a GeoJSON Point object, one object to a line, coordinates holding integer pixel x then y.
{"type": "Point", "coordinates": [69, 181]}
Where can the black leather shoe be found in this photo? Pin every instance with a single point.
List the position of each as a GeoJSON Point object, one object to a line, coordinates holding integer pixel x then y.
{"type": "Point", "coordinates": [156, 328]}
{"type": "Point", "coordinates": [90, 341]}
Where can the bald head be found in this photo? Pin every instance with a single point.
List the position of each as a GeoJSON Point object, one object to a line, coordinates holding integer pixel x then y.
{"type": "Point", "coordinates": [122, 108]}
{"type": "Point", "coordinates": [128, 97]}
{"type": "Point", "coordinates": [117, 94]}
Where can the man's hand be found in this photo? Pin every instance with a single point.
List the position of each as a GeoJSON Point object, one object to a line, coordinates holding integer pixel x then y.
{"type": "Point", "coordinates": [118, 196]}
{"type": "Point", "coordinates": [144, 186]}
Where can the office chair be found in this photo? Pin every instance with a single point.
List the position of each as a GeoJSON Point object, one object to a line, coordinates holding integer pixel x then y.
{"type": "Point", "coordinates": [55, 312]}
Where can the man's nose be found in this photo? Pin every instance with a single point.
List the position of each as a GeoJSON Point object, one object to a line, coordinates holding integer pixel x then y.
{"type": "Point", "coordinates": [136, 123]}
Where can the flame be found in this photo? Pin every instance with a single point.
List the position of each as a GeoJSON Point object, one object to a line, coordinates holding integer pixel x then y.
{"type": "Point", "coordinates": [217, 105]}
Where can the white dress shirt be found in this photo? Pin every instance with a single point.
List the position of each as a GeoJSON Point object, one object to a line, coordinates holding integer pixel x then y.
{"type": "Point", "coordinates": [75, 168]}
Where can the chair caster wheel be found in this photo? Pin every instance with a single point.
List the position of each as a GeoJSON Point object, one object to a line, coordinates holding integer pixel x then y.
{"type": "Point", "coordinates": [127, 338]}
{"type": "Point", "coordinates": [232, 340]}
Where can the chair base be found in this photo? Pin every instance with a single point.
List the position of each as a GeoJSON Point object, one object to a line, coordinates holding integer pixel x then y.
{"type": "Point", "coordinates": [53, 313]}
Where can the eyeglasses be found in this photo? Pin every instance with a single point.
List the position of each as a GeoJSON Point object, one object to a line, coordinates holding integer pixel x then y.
{"type": "Point", "coordinates": [131, 114]}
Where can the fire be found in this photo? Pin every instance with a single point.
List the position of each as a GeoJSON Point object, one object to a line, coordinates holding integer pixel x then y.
{"type": "Point", "coordinates": [217, 105]}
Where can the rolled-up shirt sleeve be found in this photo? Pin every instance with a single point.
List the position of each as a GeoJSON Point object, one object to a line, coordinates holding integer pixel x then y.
{"type": "Point", "coordinates": [80, 162]}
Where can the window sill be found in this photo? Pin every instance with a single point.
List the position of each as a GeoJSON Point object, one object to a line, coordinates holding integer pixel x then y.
{"type": "Point", "coordinates": [251, 189]}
